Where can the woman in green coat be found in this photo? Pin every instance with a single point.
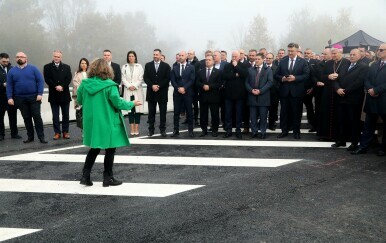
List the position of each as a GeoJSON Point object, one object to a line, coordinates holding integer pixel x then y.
{"type": "Point", "coordinates": [103, 125]}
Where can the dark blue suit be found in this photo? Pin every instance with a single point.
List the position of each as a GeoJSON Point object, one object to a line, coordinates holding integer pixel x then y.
{"type": "Point", "coordinates": [291, 93]}
{"type": "Point", "coordinates": [185, 80]}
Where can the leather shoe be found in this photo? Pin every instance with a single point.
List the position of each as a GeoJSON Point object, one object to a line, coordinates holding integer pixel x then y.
{"type": "Point", "coordinates": [17, 136]}
{"type": "Point", "coordinates": [359, 151]}
{"type": "Point", "coordinates": [282, 135]}
{"type": "Point", "coordinates": [239, 136]}
{"type": "Point", "coordinates": [175, 134]}
{"type": "Point", "coordinates": [352, 147]}
{"type": "Point", "coordinates": [66, 135]}
{"type": "Point", "coordinates": [191, 134]}
{"type": "Point", "coordinates": [56, 136]}
{"type": "Point", "coordinates": [262, 135]}
{"type": "Point", "coordinates": [29, 140]}
{"type": "Point", "coordinates": [296, 135]}
{"type": "Point", "coordinates": [214, 134]}
{"type": "Point", "coordinates": [86, 181]}
{"type": "Point", "coordinates": [151, 133]}
{"type": "Point", "coordinates": [381, 153]}
{"type": "Point", "coordinates": [111, 182]}
{"type": "Point", "coordinates": [163, 134]}
{"type": "Point", "coordinates": [227, 135]}
{"type": "Point", "coordinates": [338, 144]}
{"type": "Point", "coordinates": [203, 134]}
{"type": "Point", "coordinates": [254, 135]}
{"type": "Point", "coordinates": [42, 140]}
{"type": "Point", "coordinates": [312, 130]}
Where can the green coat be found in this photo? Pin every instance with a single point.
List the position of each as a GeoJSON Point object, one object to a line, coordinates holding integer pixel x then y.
{"type": "Point", "coordinates": [103, 125]}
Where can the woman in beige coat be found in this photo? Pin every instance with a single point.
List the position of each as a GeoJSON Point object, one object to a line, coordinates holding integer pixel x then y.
{"type": "Point", "coordinates": [80, 74]}
{"type": "Point", "coordinates": [132, 79]}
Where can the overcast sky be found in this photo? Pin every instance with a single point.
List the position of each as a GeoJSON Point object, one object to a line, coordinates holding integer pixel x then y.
{"type": "Point", "coordinates": [197, 21]}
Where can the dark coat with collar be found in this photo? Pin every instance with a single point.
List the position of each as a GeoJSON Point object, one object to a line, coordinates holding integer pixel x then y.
{"type": "Point", "coordinates": [376, 79]}
{"type": "Point", "coordinates": [160, 78]}
{"type": "Point", "coordinates": [235, 85]}
{"type": "Point", "coordinates": [214, 82]}
{"type": "Point", "coordinates": [186, 79]}
{"type": "Point", "coordinates": [3, 80]}
{"type": "Point", "coordinates": [55, 76]}
{"type": "Point", "coordinates": [117, 73]}
{"type": "Point", "coordinates": [264, 85]}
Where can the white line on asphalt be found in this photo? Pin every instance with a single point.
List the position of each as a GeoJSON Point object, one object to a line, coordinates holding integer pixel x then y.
{"type": "Point", "coordinates": [156, 160]}
{"type": "Point", "coordinates": [10, 233]}
{"type": "Point", "coordinates": [73, 187]}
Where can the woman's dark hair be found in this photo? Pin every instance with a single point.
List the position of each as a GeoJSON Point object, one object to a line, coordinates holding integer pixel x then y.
{"type": "Point", "coordinates": [100, 68]}
{"type": "Point", "coordinates": [83, 59]}
{"type": "Point", "coordinates": [135, 55]}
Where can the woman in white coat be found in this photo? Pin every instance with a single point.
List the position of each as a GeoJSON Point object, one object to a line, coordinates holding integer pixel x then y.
{"type": "Point", "coordinates": [132, 79]}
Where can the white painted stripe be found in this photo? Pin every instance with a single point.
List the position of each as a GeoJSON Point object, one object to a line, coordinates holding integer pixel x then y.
{"type": "Point", "coordinates": [10, 233]}
{"type": "Point", "coordinates": [73, 187]}
{"type": "Point", "coordinates": [156, 160]}
{"type": "Point", "coordinates": [278, 130]}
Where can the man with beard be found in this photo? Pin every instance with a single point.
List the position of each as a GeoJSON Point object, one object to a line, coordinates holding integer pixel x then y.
{"type": "Point", "coordinates": [25, 86]}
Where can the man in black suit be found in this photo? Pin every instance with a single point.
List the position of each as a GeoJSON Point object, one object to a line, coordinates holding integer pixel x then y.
{"type": "Point", "coordinates": [279, 56]}
{"type": "Point", "coordinates": [364, 59]}
{"type": "Point", "coordinates": [157, 78]}
{"type": "Point", "coordinates": [219, 64]}
{"type": "Point", "coordinates": [350, 100]}
{"type": "Point", "coordinates": [5, 66]}
{"type": "Point", "coordinates": [115, 66]}
{"type": "Point", "coordinates": [234, 76]}
{"type": "Point", "coordinates": [57, 76]}
{"type": "Point", "coordinates": [192, 60]}
{"type": "Point", "coordinates": [375, 106]}
{"type": "Point", "coordinates": [183, 79]}
{"type": "Point", "coordinates": [273, 109]}
{"type": "Point", "coordinates": [209, 81]}
{"type": "Point", "coordinates": [292, 72]}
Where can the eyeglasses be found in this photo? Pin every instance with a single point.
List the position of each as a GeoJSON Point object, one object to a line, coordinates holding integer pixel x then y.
{"type": "Point", "coordinates": [20, 57]}
{"type": "Point", "coordinates": [381, 50]}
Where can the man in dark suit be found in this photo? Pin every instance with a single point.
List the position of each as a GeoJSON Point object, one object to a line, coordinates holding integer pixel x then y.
{"type": "Point", "coordinates": [364, 59]}
{"type": "Point", "coordinates": [5, 66]}
{"type": "Point", "coordinates": [209, 81]}
{"type": "Point", "coordinates": [350, 100]}
{"type": "Point", "coordinates": [192, 60]}
{"type": "Point", "coordinates": [115, 66]}
{"type": "Point", "coordinates": [57, 76]}
{"type": "Point", "coordinates": [273, 109]}
{"type": "Point", "coordinates": [220, 64]}
{"type": "Point", "coordinates": [234, 75]}
{"type": "Point", "coordinates": [183, 78]}
{"type": "Point", "coordinates": [157, 78]}
{"type": "Point", "coordinates": [292, 72]}
{"type": "Point", "coordinates": [375, 105]}
{"type": "Point", "coordinates": [279, 56]}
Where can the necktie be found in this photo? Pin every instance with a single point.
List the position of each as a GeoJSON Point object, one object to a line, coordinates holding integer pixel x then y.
{"type": "Point", "coordinates": [291, 66]}
{"type": "Point", "coordinates": [156, 66]}
{"type": "Point", "coordinates": [257, 77]}
{"type": "Point", "coordinates": [382, 63]}
{"type": "Point", "coordinates": [182, 69]}
{"type": "Point", "coordinates": [351, 66]}
{"type": "Point", "coordinates": [207, 75]}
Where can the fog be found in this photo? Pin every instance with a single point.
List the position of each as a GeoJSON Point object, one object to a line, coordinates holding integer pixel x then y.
{"type": "Point", "coordinates": [85, 28]}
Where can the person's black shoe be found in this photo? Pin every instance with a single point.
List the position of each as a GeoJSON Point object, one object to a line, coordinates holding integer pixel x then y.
{"type": "Point", "coordinates": [381, 153]}
{"type": "Point", "coordinates": [254, 135]}
{"type": "Point", "coordinates": [17, 136]}
{"type": "Point", "coordinates": [338, 144]}
{"type": "Point", "coordinates": [214, 134]}
{"type": "Point", "coordinates": [262, 135]}
{"type": "Point", "coordinates": [163, 134]}
{"type": "Point", "coordinates": [111, 182]}
{"type": "Point", "coordinates": [312, 130]}
{"type": "Point", "coordinates": [42, 140]}
{"type": "Point", "coordinates": [282, 135]}
{"type": "Point", "coordinates": [86, 181]}
{"type": "Point", "coordinates": [352, 147]}
{"type": "Point", "coordinates": [272, 127]}
{"type": "Point", "coordinates": [239, 135]}
{"type": "Point", "coordinates": [191, 134]}
{"type": "Point", "coordinates": [203, 134]}
{"type": "Point", "coordinates": [185, 122]}
{"type": "Point", "coordinates": [1, 138]}
{"type": "Point", "coordinates": [359, 151]}
{"type": "Point", "coordinates": [227, 135]}
{"type": "Point", "coordinates": [151, 133]}
{"type": "Point", "coordinates": [29, 140]}
{"type": "Point", "coordinates": [175, 134]}
{"type": "Point", "coordinates": [296, 135]}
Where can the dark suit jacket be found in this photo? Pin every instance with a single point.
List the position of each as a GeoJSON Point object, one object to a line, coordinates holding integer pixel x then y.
{"type": "Point", "coordinates": [214, 82]}
{"type": "Point", "coordinates": [301, 72]}
{"type": "Point", "coordinates": [55, 76]}
{"type": "Point", "coordinates": [3, 80]}
{"type": "Point", "coordinates": [264, 85]}
{"type": "Point", "coordinates": [365, 60]}
{"type": "Point", "coordinates": [313, 66]}
{"type": "Point", "coordinates": [235, 86]}
{"type": "Point", "coordinates": [186, 80]}
{"type": "Point", "coordinates": [275, 85]}
{"type": "Point", "coordinates": [161, 78]}
{"type": "Point", "coordinates": [117, 73]}
{"type": "Point", "coordinates": [353, 83]}
{"type": "Point", "coordinates": [376, 79]}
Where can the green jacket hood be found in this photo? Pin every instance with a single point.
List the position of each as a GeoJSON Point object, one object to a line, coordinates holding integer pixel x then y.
{"type": "Point", "coordinates": [94, 85]}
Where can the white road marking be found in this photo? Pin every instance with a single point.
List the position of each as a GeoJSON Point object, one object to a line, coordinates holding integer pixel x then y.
{"type": "Point", "coordinates": [73, 187]}
{"type": "Point", "coordinates": [10, 233]}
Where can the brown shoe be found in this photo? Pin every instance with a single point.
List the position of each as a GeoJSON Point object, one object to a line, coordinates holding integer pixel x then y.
{"type": "Point", "coordinates": [57, 136]}
{"type": "Point", "coordinates": [66, 135]}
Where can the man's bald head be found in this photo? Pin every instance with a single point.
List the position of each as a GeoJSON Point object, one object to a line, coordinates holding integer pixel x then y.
{"type": "Point", "coordinates": [235, 56]}
{"type": "Point", "coordinates": [182, 57]}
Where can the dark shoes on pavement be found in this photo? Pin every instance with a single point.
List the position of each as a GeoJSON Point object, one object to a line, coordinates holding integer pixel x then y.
{"type": "Point", "coordinates": [359, 151]}
{"type": "Point", "coordinates": [282, 135]}
{"type": "Point", "coordinates": [86, 181]}
{"type": "Point", "coordinates": [338, 144]}
{"type": "Point", "coordinates": [111, 182]}
{"type": "Point", "coordinates": [175, 134]}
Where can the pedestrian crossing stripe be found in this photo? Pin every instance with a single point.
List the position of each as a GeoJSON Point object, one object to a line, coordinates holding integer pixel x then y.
{"type": "Point", "coordinates": [10, 233]}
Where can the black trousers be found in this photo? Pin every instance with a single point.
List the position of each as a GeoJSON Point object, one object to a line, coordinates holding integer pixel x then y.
{"type": "Point", "coordinates": [349, 117]}
{"type": "Point", "coordinates": [291, 113]}
{"type": "Point", "coordinates": [274, 108]}
{"type": "Point", "coordinates": [65, 109]}
{"type": "Point", "coordinates": [310, 109]}
{"type": "Point", "coordinates": [30, 109]}
{"type": "Point", "coordinates": [152, 107]}
{"type": "Point", "coordinates": [369, 129]}
{"type": "Point", "coordinates": [12, 117]}
{"type": "Point", "coordinates": [108, 161]}
{"type": "Point", "coordinates": [180, 101]}
{"type": "Point", "coordinates": [214, 113]}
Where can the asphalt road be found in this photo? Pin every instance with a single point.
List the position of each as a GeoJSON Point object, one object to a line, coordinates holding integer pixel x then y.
{"type": "Point", "coordinates": [239, 191]}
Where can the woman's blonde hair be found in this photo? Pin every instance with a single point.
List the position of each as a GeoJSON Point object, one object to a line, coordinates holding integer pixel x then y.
{"type": "Point", "coordinates": [100, 68]}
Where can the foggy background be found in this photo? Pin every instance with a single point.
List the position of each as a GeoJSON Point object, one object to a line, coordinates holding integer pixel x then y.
{"type": "Point", "coordinates": [84, 28]}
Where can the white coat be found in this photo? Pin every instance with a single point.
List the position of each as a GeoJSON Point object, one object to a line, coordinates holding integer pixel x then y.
{"type": "Point", "coordinates": [135, 80]}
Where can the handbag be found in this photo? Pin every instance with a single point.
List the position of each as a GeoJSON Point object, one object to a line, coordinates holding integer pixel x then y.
{"type": "Point", "coordinates": [79, 117]}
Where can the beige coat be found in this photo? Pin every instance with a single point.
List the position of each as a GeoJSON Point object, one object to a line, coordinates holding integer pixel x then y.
{"type": "Point", "coordinates": [76, 81]}
{"type": "Point", "coordinates": [136, 80]}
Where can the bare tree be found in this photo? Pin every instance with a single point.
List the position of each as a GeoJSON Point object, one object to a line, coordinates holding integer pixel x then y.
{"type": "Point", "coordinates": [258, 35]}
